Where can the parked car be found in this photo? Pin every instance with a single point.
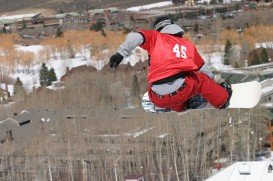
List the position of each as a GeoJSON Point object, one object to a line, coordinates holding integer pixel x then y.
{"type": "Point", "coordinates": [202, 17]}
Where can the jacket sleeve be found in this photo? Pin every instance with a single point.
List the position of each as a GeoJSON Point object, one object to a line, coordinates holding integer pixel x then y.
{"type": "Point", "coordinates": [132, 40]}
{"type": "Point", "coordinates": [150, 37]}
{"type": "Point", "coordinates": [203, 67]}
{"type": "Point", "coordinates": [198, 60]}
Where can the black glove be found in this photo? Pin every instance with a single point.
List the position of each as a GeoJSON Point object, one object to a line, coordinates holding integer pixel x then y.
{"type": "Point", "coordinates": [115, 60]}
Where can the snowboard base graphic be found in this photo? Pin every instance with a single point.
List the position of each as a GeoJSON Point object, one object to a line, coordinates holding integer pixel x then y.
{"type": "Point", "coordinates": [244, 95]}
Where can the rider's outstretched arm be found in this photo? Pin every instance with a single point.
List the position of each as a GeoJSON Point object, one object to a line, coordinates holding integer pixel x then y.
{"type": "Point", "coordinates": [131, 42]}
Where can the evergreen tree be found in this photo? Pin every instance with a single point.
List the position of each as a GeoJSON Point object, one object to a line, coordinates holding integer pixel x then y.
{"type": "Point", "coordinates": [44, 80]}
{"type": "Point", "coordinates": [18, 86]}
{"type": "Point", "coordinates": [60, 11]}
{"type": "Point", "coordinates": [59, 32]}
{"type": "Point", "coordinates": [135, 87]}
{"type": "Point", "coordinates": [228, 51]}
{"type": "Point", "coordinates": [103, 33]}
{"type": "Point", "coordinates": [24, 25]}
{"type": "Point", "coordinates": [176, 2]}
{"type": "Point", "coordinates": [264, 56]}
{"type": "Point", "coordinates": [132, 19]}
{"type": "Point", "coordinates": [212, 2]}
{"type": "Point", "coordinates": [247, 25]}
{"type": "Point", "coordinates": [70, 50]}
{"type": "Point", "coordinates": [67, 70]}
{"type": "Point", "coordinates": [256, 59]}
{"type": "Point", "coordinates": [4, 30]}
{"type": "Point", "coordinates": [52, 76]}
{"type": "Point", "coordinates": [196, 28]}
{"type": "Point", "coordinates": [98, 26]}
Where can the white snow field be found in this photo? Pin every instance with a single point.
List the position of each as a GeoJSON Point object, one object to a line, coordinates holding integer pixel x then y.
{"type": "Point", "coordinates": [245, 171]}
{"type": "Point", "coordinates": [150, 6]}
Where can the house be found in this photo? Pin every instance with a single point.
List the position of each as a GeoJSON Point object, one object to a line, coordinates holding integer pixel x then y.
{"type": "Point", "coordinates": [4, 95]}
{"type": "Point", "coordinates": [1, 168]}
{"type": "Point", "coordinates": [114, 21]}
{"type": "Point", "coordinates": [82, 68]}
{"type": "Point", "coordinates": [134, 178]}
{"type": "Point", "coordinates": [270, 137]}
{"type": "Point", "coordinates": [19, 130]}
{"type": "Point", "coordinates": [237, 76]}
{"type": "Point", "coordinates": [67, 17]}
{"type": "Point", "coordinates": [267, 93]}
{"type": "Point", "coordinates": [269, 140]}
{"type": "Point", "coordinates": [258, 51]}
{"type": "Point", "coordinates": [247, 171]}
{"type": "Point", "coordinates": [111, 10]}
{"type": "Point", "coordinates": [7, 25]}
{"type": "Point", "coordinates": [37, 22]}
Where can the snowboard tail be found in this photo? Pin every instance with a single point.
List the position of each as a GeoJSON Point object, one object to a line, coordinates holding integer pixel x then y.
{"type": "Point", "coordinates": [244, 95]}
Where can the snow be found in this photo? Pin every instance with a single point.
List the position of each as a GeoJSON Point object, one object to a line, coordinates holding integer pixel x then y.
{"type": "Point", "coordinates": [264, 45]}
{"type": "Point", "coordinates": [10, 88]}
{"type": "Point", "coordinates": [163, 135]}
{"type": "Point", "coordinates": [29, 81]}
{"type": "Point", "coordinates": [150, 6]}
{"type": "Point", "coordinates": [3, 86]}
{"type": "Point", "coordinates": [267, 89]}
{"type": "Point", "coordinates": [29, 75]}
{"type": "Point", "coordinates": [45, 120]}
{"type": "Point", "coordinates": [33, 48]}
{"type": "Point", "coordinates": [22, 16]}
{"type": "Point", "coordinates": [221, 160]}
{"type": "Point", "coordinates": [134, 134]}
{"type": "Point", "coordinates": [250, 171]}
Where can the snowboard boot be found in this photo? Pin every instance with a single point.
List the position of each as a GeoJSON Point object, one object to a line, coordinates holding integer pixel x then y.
{"type": "Point", "coordinates": [227, 86]}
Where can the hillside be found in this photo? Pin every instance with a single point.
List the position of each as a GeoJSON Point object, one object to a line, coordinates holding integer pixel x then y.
{"type": "Point", "coordinates": [68, 5]}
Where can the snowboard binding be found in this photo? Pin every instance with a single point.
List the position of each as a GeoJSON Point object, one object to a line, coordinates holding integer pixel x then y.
{"type": "Point", "coordinates": [227, 86]}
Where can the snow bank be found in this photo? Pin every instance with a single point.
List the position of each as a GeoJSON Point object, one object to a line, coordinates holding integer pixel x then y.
{"type": "Point", "coordinates": [33, 48]}
{"type": "Point", "coordinates": [248, 171]}
{"type": "Point", "coordinates": [150, 6]}
{"type": "Point", "coordinates": [22, 16]}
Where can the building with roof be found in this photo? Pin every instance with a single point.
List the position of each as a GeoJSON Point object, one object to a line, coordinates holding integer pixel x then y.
{"type": "Point", "coordinates": [134, 178]}
{"type": "Point", "coordinates": [37, 22]}
{"type": "Point", "coordinates": [270, 137]}
{"type": "Point", "coordinates": [4, 95]}
{"type": "Point", "coordinates": [258, 51]}
{"type": "Point", "coordinates": [15, 18]}
{"type": "Point", "coordinates": [111, 10]}
{"type": "Point", "coordinates": [247, 171]}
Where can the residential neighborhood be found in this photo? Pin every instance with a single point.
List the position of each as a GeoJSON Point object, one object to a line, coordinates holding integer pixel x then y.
{"type": "Point", "coordinates": [65, 114]}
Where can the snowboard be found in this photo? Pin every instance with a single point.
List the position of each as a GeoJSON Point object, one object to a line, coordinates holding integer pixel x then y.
{"type": "Point", "coordinates": [244, 95]}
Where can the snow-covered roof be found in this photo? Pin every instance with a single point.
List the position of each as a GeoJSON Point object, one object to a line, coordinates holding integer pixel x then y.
{"type": "Point", "coordinates": [59, 16]}
{"type": "Point", "coordinates": [247, 171]}
{"type": "Point", "coordinates": [150, 6]}
{"type": "Point", "coordinates": [17, 17]}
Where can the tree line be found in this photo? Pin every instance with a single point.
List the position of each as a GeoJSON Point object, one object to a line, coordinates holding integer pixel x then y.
{"type": "Point", "coordinates": [46, 77]}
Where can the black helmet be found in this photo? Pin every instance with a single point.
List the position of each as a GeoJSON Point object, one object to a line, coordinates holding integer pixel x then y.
{"type": "Point", "coordinates": [160, 23]}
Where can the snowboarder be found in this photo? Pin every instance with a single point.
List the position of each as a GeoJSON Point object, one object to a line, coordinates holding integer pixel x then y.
{"type": "Point", "coordinates": [176, 71]}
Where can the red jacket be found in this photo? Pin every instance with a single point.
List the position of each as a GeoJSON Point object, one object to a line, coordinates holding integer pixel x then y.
{"type": "Point", "coordinates": [169, 55]}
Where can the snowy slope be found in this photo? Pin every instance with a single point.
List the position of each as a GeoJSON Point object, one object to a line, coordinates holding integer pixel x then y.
{"type": "Point", "coordinates": [245, 171]}
{"type": "Point", "coordinates": [16, 17]}
{"type": "Point", "coordinates": [150, 6]}
{"type": "Point", "coordinates": [29, 75]}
